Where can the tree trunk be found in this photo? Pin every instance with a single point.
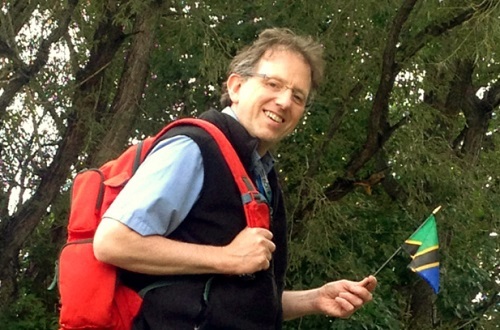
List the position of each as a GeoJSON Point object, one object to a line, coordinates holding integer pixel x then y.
{"type": "Point", "coordinates": [15, 230]}
{"type": "Point", "coordinates": [126, 105]}
{"type": "Point", "coordinates": [422, 307]}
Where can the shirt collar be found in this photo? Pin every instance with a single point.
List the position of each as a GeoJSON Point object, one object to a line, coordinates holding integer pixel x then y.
{"type": "Point", "coordinates": [267, 159]}
{"type": "Point", "coordinates": [229, 111]}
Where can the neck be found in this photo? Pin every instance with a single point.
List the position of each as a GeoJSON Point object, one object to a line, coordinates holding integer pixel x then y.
{"type": "Point", "coordinates": [262, 149]}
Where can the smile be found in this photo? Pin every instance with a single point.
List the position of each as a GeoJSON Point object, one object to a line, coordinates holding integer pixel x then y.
{"type": "Point", "coordinates": [274, 117]}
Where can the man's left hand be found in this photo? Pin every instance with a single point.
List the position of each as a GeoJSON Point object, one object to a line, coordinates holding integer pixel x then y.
{"type": "Point", "coordinates": [342, 298]}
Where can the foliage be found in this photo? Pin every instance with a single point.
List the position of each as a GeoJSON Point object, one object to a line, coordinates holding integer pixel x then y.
{"type": "Point", "coordinates": [29, 312]}
{"type": "Point", "coordinates": [406, 120]}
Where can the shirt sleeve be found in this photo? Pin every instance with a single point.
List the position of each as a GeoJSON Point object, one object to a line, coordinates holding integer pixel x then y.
{"type": "Point", "coordinates": [163, 190]}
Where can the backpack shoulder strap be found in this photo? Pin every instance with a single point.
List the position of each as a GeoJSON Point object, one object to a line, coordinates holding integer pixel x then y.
{"type": "Point", "coordinates": [256, 208]}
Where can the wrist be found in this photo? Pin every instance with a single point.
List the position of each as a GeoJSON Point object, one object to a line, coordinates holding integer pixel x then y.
{"type": "Point", "coordinates": [225, 262]}
{"type": "Point", "coordinates": [300, 303]}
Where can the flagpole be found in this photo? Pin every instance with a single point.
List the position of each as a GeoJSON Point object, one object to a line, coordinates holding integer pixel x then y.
{"type": "Point", "coordinates": [436, 210]}
{"type": "Point", "coordinates": [387, 261]}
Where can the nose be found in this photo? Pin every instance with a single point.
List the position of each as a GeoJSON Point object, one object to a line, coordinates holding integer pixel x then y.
{"type": "Point", "coordinates": [284, 98]}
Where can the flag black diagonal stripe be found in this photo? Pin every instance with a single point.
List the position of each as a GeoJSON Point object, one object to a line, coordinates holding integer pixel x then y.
{"type": "Point", "coordinates": [424, 259]}
{"type": "Point", "coordinates": [411, 248]}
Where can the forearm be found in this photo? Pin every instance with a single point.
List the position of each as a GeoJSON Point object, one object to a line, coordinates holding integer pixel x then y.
{"type": "Point", "coordinates": [337, 299]}
{"type": "Point", "coordinates": [118, 245]}
{"type": "Point", "coordinates": [299, 303]}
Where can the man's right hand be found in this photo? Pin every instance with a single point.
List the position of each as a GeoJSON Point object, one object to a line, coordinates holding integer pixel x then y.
{"type": "Point", "coordinates": [250, 251]}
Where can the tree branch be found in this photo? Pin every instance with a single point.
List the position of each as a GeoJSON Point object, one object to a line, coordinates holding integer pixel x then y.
{"type": "Point", "coordinates": [378, 119]}
{"type": "Point", "coordinates": [437, 29]}
{"type": "Point", "coordinates": [21, 10]}
{"type": "Point", "coordinates": [15, 230]}
{"type": "Point", "coordinates": [335, 123]}
{"type": "Point", "coordinates": [379, 129]}
{"type": "Point", "coordinates": [6, 51]}
{"type": "Point", "coordinates": [125, 105]}
{"type": "Point", "coordinates": [24, 74]}
{"type": "Point", "coordinates": [492, 97]}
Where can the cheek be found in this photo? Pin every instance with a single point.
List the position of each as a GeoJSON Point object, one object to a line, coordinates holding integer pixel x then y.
{"type": "Point", "coordinates": [297, 117]}
{"type": "Point", "coordinates": [292, 124]}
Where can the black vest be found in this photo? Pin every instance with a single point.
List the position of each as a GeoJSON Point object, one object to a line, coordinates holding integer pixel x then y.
{"type": "Point", "coordinates": [218, 301]}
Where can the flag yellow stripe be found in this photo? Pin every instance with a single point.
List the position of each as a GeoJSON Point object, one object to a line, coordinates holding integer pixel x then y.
{"type": "Point", "coordinates": [424, 267]}
{"type": "Point", "coordinates": [412, 242]}
{"type": "Point", "coordinates": [432, 248]}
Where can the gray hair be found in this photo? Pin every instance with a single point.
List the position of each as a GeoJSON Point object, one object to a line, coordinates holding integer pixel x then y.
{"type": "Point", "coordinates": [244, 62]}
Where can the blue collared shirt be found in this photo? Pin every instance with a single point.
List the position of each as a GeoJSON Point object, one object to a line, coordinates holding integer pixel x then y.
{"type": "Point", "coordinates": [167, 184]}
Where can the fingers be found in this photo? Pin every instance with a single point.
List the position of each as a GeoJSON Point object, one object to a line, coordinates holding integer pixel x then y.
{"type": "Point", "coordinates": [369, 283]}
{"type": "Point", "coordinates": [251, 250]}
{"type": "Point", "coordinates": [264, 240]}
{"type": "Point", "coordinates": [344, 297]}
{"type": "Point", "coordinates": [351, 299]}
{"type": "Point", "coordinates": [356, 297]}
{"type": "Point", "coordinates": [261, 231]}
{"type": "Point", "coordinates": [261, 240]}
{"type": "Point", "coordinates": [362, 289]}
{"type": "Point", "coordinates": [347, 306]}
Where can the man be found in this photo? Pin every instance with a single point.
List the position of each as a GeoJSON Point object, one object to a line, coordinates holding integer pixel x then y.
{"type": "Point", "coordinates": [178, 227]}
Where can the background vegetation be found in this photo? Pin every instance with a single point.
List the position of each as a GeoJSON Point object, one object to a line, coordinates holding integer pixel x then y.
{"type": "Point", "coordinates": [406, 120]}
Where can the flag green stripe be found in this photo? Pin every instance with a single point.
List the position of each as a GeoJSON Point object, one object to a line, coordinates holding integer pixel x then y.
{"type": "Point", "coordinates": [427, 234]}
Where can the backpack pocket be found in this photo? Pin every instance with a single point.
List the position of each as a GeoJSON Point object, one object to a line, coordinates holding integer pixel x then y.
{"type": "Point", "coordinates": [91, 296]}
{"type": "Point", "coordinates": [87, 288]}
{"type": "Point", "coordinates": [87, 194]}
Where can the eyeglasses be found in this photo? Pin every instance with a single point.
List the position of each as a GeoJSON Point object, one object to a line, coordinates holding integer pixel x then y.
{"type": "Point", "coordinates": [277, 86]}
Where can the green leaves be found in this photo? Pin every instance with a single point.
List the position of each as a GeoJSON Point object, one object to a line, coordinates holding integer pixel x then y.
{"type": "Point", "coordinates": [447, 76]}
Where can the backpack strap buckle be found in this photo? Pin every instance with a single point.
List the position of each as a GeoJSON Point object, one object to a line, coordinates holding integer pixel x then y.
{"type": "Point", "coordinates": [253, 196]}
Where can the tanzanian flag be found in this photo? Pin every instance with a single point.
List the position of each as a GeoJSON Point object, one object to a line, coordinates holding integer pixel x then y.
{"type": "Point", "coordinates": [423, 246]}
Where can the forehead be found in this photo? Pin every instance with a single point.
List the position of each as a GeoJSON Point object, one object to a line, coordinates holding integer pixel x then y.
{"type": "Point", "coordinates": [287, 65]}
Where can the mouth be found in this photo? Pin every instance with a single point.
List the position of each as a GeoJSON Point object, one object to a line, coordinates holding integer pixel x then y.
{"type": "Point", "coordinates": [274, 117]}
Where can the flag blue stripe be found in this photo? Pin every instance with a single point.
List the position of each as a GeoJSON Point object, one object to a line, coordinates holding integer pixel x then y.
{"type": "Point", "coordinates": [431, 276]}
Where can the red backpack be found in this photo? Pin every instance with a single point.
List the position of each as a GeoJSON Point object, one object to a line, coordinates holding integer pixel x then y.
{"type": "Point", "coordinates": [91, 295]}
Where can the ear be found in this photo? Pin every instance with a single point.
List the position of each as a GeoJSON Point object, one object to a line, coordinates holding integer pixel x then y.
{"type": "Point", "coordinates": [234, 86]}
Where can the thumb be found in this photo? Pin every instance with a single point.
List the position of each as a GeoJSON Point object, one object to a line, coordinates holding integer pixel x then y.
{"type": "Point", "coordinates": [369, 282]}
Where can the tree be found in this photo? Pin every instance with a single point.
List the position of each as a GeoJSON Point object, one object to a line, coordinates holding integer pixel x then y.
{"type": "Point", "coordinates": [406, 120]}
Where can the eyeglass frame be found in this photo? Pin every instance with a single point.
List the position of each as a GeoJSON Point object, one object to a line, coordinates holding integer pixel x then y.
{"type": "Point", "coordinates": [283, 86]}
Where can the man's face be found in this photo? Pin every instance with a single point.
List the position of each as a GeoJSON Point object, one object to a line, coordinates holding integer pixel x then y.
{"type": "Point", "coordinates": [271, 102]}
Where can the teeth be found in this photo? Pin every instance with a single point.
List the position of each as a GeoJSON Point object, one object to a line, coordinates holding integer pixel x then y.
{"type": "Point", "coordinates": [274, 117]}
